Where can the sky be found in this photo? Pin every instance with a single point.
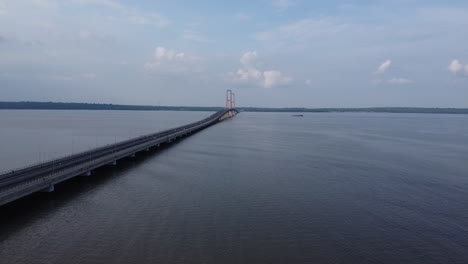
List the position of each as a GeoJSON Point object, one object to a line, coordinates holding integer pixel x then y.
{"type": "Point", "coordinates": [271, 53]}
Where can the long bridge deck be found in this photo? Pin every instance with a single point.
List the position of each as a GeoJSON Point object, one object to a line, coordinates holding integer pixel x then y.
{"type": "Point", "coordinates": [44, 176]}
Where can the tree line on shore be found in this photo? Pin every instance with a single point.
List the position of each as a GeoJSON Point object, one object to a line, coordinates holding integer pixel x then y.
{"type": "Point", "coordinates": [90, 106]}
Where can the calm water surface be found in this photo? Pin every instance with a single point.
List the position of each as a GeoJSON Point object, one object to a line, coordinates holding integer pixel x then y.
{"type": "Point", "coordinates": [258, 188]}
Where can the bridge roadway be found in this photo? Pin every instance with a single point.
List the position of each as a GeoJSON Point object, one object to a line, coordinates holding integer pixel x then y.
{"type": "Point", "coordinates": [43, 177]}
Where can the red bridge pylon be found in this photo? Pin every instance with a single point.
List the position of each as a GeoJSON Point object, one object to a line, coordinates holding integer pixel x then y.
{"type": "Point", "coordinates": [229, 99]}
{"type": "Point", "coordinates": [233, 100]}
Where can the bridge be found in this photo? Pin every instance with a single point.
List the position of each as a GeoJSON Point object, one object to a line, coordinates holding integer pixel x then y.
{"type": "Point", "coordinates": [43, 177]}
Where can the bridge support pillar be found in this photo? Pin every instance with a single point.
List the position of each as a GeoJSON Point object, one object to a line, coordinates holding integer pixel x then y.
{"type": "Point", "coordinates": [114, 163]}
{"type": "Point", "coordinates": [88, 173]}
{"type": "Point", "coordinates": [48, 189]}
{"type": "Point", "coordinates": [132, 156]}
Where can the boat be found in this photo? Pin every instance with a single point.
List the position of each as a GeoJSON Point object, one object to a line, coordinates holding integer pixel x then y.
{"type": "Point", "coordinates": [299, 115]}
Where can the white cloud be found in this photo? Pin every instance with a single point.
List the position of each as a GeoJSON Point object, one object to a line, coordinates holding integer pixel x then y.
{"type": "Point", "coordinates": [248, 58]}
{"type": "Point", "coordinates": [399, 81]}
{"type": "Point", "coordinates": [248, 70]}
{"type": "Point", "coordinates": [455, 66]}
{"type": "Point", "coordinates": [250, 73]}
{"type": "Point", "coordinates": [274, 78]}
{"type": "Point", "coordinates": [383, 67]}
{"type": "Point", "coordinates": [173, 61]}
{"type": "Point", "coordinates": [283, 4]}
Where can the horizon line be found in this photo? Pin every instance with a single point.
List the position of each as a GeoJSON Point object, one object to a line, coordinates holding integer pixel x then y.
{"type": "Point", "coordinates": [248, 107]}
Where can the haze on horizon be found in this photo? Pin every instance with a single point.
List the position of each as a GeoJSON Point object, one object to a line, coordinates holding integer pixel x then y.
{"type": "Point", "coordinates": [273, 53]}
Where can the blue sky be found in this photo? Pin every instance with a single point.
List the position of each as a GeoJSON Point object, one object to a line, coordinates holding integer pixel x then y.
{"type": "Point", "coordinates": [274, 53]}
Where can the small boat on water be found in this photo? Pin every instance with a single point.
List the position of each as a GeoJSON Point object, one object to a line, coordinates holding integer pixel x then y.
{"type": "Point", "coordinates": [299, 115]}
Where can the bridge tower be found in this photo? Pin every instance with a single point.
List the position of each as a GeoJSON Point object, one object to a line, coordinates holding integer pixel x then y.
{"type": "Point", "coordinates": [229, 99]}
{"type": "Point", "coordinates": [233, 100]}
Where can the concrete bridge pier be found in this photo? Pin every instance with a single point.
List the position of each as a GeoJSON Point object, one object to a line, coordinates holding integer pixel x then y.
{"type": "Point", "coordinates": [114, 163]}
{"type": "Point", "coordinates": [132, 156]}
{"type": "Point", "coordinates": [229, 114]}
{"type": "Point", "coordinates": [88, 173]}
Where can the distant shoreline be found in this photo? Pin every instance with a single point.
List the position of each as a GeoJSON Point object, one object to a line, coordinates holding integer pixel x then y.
{"type": "Point", "coordinates": [88, 106]}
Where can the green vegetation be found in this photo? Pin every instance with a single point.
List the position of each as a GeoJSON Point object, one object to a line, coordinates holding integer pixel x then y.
{"type": "Point", "coordinates": [86, 106]}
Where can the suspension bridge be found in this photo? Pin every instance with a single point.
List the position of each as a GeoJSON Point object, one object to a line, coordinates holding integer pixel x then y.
{"type": "Point", "coordinates": [44, 176]}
